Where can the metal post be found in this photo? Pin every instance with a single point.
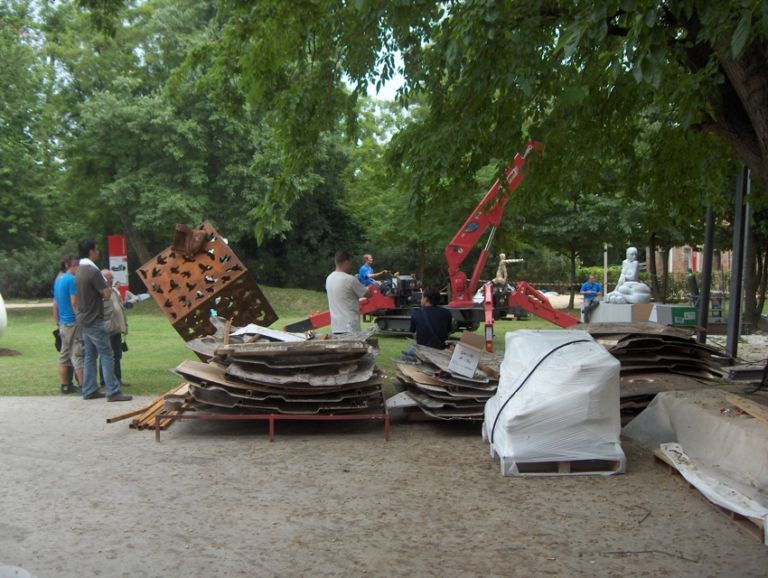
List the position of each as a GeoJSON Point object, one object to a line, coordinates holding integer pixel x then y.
{"type": "Point", "coordinates": [706, 275]}
{"type": "Point", "coordinates": [605, 268]}
{"type": "Point", "coordinates": [737, 265]}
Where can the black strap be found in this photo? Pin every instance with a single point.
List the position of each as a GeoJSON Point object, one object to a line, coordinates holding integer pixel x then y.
{"type": "Point", "coordinates": [530, 373]}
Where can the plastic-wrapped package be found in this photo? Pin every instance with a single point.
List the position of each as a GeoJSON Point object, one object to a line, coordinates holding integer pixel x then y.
{"type": "Point", "coordinates": [556, 409]}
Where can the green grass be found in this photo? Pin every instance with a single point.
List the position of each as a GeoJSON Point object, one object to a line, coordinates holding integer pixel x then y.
{"type": "Point", "coordinates": [155, 347]}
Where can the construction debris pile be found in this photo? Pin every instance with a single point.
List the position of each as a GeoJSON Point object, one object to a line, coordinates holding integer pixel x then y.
{"type": "Point", "coordinates": [444, 394]}
{"type": "Point", "coordinates": [284, 374]}
{"type": "Point", "coordinates": [656, 358]}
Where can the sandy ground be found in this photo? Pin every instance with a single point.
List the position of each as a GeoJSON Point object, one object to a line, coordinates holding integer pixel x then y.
{"type": "Point", "coordinates": [84, 498]}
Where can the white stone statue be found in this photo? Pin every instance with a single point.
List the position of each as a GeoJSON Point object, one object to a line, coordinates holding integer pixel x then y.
{"type": "Point", "coordinates": [629, 289]}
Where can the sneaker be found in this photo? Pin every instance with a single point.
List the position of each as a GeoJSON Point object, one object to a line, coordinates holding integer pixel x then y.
{"type": "Point", "coordinates": [95, 395]}
{"type": "Point", "coordinates": [119, 397]}
{"type": "Point", "coordinates": [69, 388]}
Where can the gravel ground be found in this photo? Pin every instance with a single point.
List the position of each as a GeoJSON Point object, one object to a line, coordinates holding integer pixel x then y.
{"type": "Point", "coordinates": [84, 498]}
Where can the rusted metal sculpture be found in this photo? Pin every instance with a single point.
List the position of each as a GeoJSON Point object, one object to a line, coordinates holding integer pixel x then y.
{"type": "Point", "coordinates": [199, 273]}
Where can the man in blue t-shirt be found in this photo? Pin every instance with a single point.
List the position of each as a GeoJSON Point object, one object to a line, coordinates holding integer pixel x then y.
{"type": "Point", "coordinates": [366, 276]}
{"type": "Point", "coordinates": [591, 290]}
{"type": "Point", "coordinates": [431, 325]}
{"type": "Point", "coordinates": [65, 316]}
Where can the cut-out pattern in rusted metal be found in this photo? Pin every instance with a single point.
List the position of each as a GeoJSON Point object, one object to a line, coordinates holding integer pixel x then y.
{"type": "Point", "coordinates": [187, 289]}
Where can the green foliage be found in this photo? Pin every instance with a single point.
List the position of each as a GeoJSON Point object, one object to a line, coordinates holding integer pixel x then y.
{"type": "Point", "coordinates": [303, 256]}
{"type": "Point", "coordinates": [156, 348]}
{"type": "Point", "coordinates": [614, 87]}
{"type": "Point", "coordinates": [25, 204]}
{"type": "Point", "coordinates": [29, 272]}
{"type": "Point", "coordinates": [123, 127]}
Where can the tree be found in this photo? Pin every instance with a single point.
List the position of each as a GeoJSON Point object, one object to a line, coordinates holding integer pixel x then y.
{"type": "Point", "coordinates": [493, 72]}
{"type": "Point", "coordinates": [22, 191]}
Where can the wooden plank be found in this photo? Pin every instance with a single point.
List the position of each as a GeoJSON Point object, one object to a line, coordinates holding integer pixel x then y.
{"type": "Point", "coordinates": [140, 410]}
{"type": "Point", "coordinates": [127, 414]}
{"type": "Point", "coordinates": [756, 410]}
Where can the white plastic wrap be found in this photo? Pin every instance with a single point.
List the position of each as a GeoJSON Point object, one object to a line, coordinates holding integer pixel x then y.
{"type": "Point", "coordinates": [721, 453]}
{"type": "Point", "coordinates": [557, 401]}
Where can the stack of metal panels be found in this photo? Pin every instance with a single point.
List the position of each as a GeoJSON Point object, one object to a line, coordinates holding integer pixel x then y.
{"type": "Point", "coordinates": [443, 394]}
{"type": "Point", "coordinates": [314, 377]}
{"type": "Point", "coordinates": [656, 358]}
{"type": "Point", "coordinates": [648, 347]}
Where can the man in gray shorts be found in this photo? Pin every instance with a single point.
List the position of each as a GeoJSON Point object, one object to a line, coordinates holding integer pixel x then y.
{"type": "Point", "coordinates": [64, 313]}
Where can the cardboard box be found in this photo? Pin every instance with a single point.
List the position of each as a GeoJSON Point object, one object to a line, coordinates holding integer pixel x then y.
{"type": "Point", "coordinates": [466, 355]}
{"type": "Point", "coordinates": [675, 315]}
{"type": "Point", "coordinates": [641, 311]}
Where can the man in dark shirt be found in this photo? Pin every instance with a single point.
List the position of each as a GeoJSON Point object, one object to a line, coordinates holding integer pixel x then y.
{"type": "Point", "coordinates": [431, 325]}
{"type": "Point", "coordinates": [92, 291]}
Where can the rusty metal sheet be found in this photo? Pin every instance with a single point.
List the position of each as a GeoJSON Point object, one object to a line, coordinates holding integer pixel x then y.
{"type": "Point", "coordinates": [310, 363]}
{"type": "Point", "coordinates": [325, 376]}
{"type": "Point", "coordinates": [638, 328]}
{"type": "Point", "coordinates": [326, 398]}
{"type": "Point", "coordinates": [427, 374]}
{"type": "Point", "coordinates": [441, 359]}
{"type": "Point", "coordinates": [218, 397]}
{"type": "Point", "coordinates": [215, 374]}
{"type": "Point", "coordinates": [444, 395]}
{"type": "Point", "coordinates": [288, 352]}
{"type": "Point", "coordinates": [363, 391]}
{"type": "Point", "coordinates": [436, 403]}
{"type": "Point", "coordinates": [454, 414]}
{"type": "Point", "coordinates": [188, 287]}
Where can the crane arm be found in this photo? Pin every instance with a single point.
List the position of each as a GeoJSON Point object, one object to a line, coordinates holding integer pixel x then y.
{"type": "Point", "coordinates": [486, 215]}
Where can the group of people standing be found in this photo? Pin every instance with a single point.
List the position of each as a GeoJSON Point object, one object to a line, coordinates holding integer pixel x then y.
{"type": "Point", "coordinates": [430, 325]}
{"type": "Point", "coordinates": [91, 320]}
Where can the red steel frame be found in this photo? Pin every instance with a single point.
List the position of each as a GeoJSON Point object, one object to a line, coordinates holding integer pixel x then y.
{"type": "Point", "coordinates": [374, 302]}
{"type": "Point", "coordinates": [487, 214]}
{"type": "Point", "coordinates": [272, 418]}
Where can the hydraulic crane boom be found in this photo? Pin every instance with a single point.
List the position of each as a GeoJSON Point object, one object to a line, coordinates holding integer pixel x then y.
{"type": "Point", "coordinates": [393, 301]}
{"type": "Point", "coordinates": [486, 215]}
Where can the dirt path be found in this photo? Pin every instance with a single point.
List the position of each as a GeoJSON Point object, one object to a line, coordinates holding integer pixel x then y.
{"type": "Point", "coordinates": [83, 498]}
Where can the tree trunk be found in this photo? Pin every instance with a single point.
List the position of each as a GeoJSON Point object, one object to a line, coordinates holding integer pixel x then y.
{"type": "Point", "coordinates": [741, 116]}
{"type": "Point", "coordinates": [751, 281]}
{"type": "Point", "coordinates": [134, 238]}
{"type": "Point", "coordinates": [763, 284]}
{"type": "Point", "coordinates": [572, 291]}
{"type": "Point", "coordinates": [652, 270]}
{"type": "Point", "coordinates": [422, 259]}
{"type": "Point", "coordinates": [664, 274]}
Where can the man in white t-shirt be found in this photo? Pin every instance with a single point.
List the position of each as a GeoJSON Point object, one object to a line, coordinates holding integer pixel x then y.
{"type": "Point", "coordinates": [344, 293]}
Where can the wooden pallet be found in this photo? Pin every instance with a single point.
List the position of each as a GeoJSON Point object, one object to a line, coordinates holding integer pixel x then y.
{"type": "Point", "coordinates": [756, 410]}
{"type": "Point", "coordinates": [565, 468]}
{"type": "Point", "coordinates": [752, 526]}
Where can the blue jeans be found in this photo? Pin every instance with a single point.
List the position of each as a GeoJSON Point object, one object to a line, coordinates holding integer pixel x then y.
{"type": "Point", "coordinates": [96, 345]}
